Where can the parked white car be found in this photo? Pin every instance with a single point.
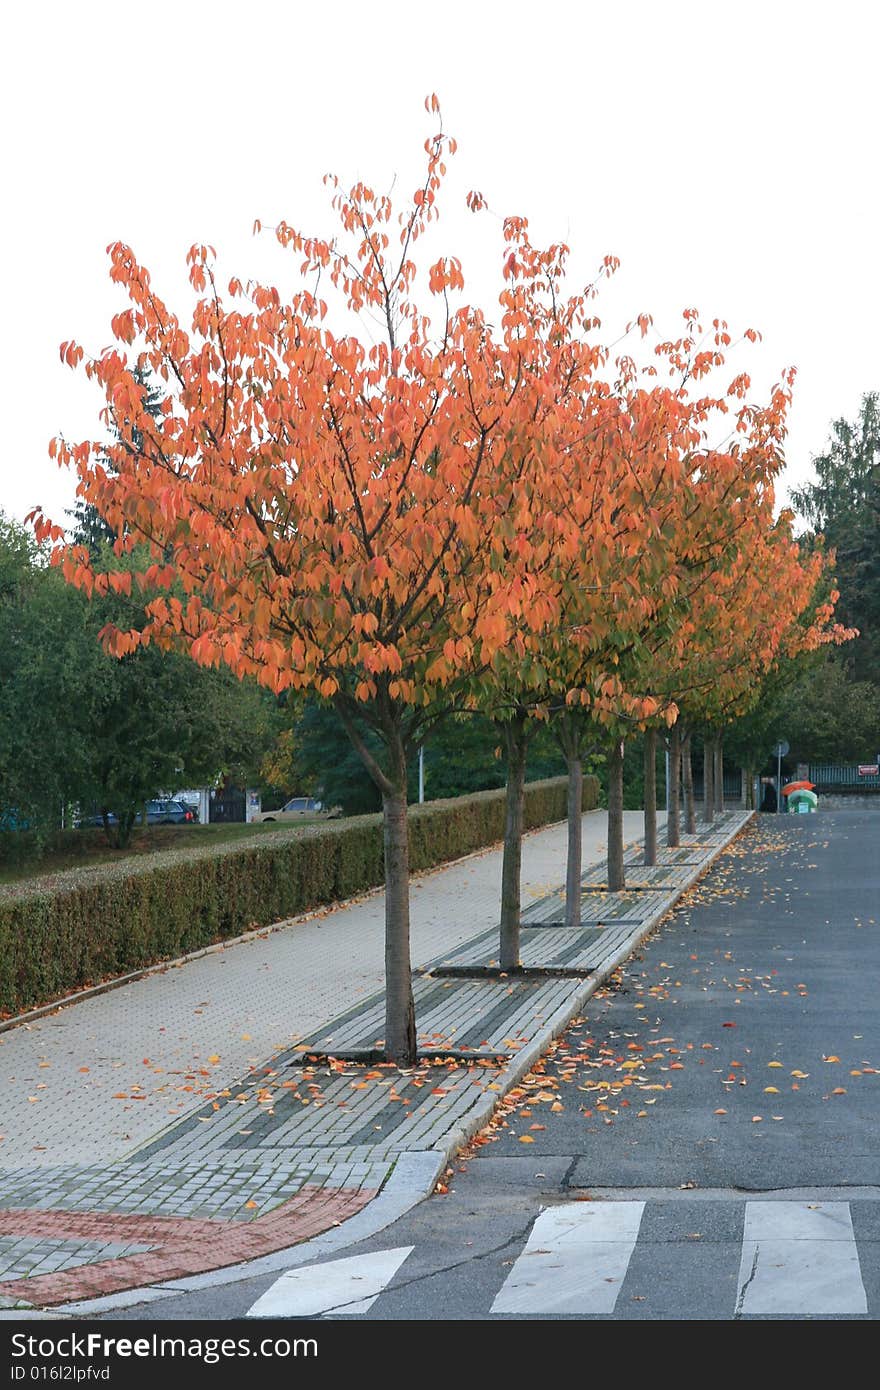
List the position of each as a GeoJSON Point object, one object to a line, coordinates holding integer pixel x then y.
{"type": "Point", "coordinates": [299, 806]}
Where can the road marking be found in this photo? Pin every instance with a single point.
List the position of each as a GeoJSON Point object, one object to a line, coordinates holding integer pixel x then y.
{"type": "Point", "coordinates": [799, 1257]}
{"type": "Point", "coordinates": [339, 1286]}
{"type": "Point", "coordinates": [575, 1260]}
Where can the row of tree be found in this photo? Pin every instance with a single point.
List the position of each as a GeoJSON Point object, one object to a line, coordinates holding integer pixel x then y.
{"type": "Point", "coordinates": [470, 515]}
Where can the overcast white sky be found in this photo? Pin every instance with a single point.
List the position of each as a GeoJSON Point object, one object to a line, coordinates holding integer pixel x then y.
{"type": "Point", "coordinates": [726, 153]}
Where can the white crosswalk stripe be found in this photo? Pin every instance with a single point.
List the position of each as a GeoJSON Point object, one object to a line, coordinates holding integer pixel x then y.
{"type": "Point", "coordinates": [340, 1286]}
{"type": "Point", "coordinates": [797, 1258]}
{"type": "Point", "coordinates": [800, 1258]}
{"type": "Point", "coordinates": [574, 1261]}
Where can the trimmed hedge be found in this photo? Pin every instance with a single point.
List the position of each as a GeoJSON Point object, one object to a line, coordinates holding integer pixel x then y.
{"type": "Point", "coordinates": [74, 928]}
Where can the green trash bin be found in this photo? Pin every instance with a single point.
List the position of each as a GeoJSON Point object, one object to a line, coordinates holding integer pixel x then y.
{"type": "Point", "coordinates": [802, 802]}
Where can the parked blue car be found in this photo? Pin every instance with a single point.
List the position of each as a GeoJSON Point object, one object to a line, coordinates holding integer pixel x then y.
{"type": "Point", "coordinates": [167, 812]}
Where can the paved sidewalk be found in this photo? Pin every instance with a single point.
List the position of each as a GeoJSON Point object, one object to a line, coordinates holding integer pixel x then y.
{"type": "Point", "coordinates": [230, 1145]}
{"type": "Point", "coordinates": [91, 1083]}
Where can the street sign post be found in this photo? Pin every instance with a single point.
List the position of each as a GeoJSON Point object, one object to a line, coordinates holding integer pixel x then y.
{"type": "Point", "coordinates": [780, 748]}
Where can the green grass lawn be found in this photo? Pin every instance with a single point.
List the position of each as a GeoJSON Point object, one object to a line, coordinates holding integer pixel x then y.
{"type": "Point", "coordinates": [81, 848]}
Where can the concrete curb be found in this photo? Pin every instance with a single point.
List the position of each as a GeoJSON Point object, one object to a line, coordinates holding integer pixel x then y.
{"type": "Point", "coordinates": [416, 1173]}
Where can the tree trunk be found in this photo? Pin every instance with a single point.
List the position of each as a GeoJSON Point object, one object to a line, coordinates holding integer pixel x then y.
{"type": "Point", "coordinates": [575, 835]}
{"type": "Point", "coordinates": [124, 828]}
{"type": "Point", "coordinates": [400, 1016]}
{"type": "Point", "coordinates": [719, 776]}
{"type": "Point", "coordinates": [708, 780]}
{"type": "Point", "coordinates": [748, 777]}
{"type": "Point", "coordinates": [568, 729]}
{"type": "Point", "coordinates": [515, 742]}
{"type": "Point", "coordinates": [673, 820]}
{"type": "Point", "coordinates": [650, 796]}
{"type": "Point", "coordinates": [616, 877]}
{"type": "Point", "coordinates": [690, 807]}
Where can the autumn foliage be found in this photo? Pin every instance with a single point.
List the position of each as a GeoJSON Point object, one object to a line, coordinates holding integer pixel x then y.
{"type": "Point", "coordinates": [474, 507]}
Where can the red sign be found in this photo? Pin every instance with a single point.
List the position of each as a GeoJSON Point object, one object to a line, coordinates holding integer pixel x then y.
{"type": "Point", "coordinates": [869, 769]}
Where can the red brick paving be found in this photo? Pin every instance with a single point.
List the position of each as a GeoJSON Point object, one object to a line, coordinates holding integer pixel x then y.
{"type": "Point", "coordinates": [184, 1245]}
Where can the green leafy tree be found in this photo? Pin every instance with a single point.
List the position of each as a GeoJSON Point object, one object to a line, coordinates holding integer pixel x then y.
{"type": "Point", "coordinates": [158, 721]}
{"type": "Point", "coordinates": [843, 504]}
{"type": "Point", "coordinates": [48, 660]}
{"type": "Point", "coordinates": [463, 755]}
{"type": "Point", "coordinates": [79, 726]}
{"type": "Point", "coordinates": [89, 526]}
{"type": "Point", "coordinates": [829, 717]}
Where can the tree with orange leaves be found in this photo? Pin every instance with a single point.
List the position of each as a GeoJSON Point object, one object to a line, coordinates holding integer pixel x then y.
{"type": "Point", "coordinates": [322, 514]}
{"type": "Point", "coordinates": [769, 613]}
{"type": "Point", "coordinates": [748, 601]}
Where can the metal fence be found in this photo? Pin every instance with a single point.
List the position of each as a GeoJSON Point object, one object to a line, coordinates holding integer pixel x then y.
{"type": "Point", "coordinates": [228, 807]}
{"type": "Point", "coordinates": [733, 784]}
{"type": "Point", "coordinates": [843, 777]}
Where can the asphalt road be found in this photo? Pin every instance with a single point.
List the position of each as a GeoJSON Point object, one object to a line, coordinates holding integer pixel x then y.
{"type": "Point", "coordinates": [701, 1145]}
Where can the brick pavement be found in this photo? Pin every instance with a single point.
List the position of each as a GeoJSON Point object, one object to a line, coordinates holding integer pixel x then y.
{"type": "Point", "coordinates": [62, 1255]}
{"type": "Point", "coordinates": [255, 1163]}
